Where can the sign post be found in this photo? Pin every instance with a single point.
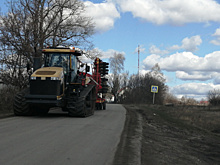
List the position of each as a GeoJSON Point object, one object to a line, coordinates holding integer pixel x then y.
{"type": "Point", "coordinates": [154, 89]}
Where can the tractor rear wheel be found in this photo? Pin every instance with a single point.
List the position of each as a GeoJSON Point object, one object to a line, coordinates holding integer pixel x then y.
{"type": "Point", "coordinates": [20, 106]}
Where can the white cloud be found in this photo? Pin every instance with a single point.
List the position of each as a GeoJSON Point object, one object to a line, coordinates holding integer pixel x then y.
{"type": "Point", "coordinates": [195, 90]}
{"type": "Point", "coordinates": [185, 61]}
{"type": "Point", "coordinates": [216, 77]}
{"type": "Point", "coordinates": [217, 32]}
{"type": "Point", "coordinates": [188, 66]}
{"type": "Point", "coordinates": [155, 50]}
{"type": "Point", "coordinates": [217, 36]}
{"type": "Point", "coordinates": [103, 14]}
{"type": "Point", "coordinates": [202, 76]}
{"type": "Point", "coordinates": [110, 53]}
{"type": "Point", "coordinates": [179, 61]}
{"type": "Point", "coordinates": [188, 44]}
{"type": "Point", "coordinates": [215, 42]}
{"type": "Point", "coordinates": [175, 12]}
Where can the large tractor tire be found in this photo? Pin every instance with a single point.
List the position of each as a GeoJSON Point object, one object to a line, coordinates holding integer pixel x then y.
{"type": "Point", "coordinates": [20, 106]}
{"type": "Point", "coordinates": [82, 106]}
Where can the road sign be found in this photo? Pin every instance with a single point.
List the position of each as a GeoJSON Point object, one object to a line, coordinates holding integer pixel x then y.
{"type": "Point", "coordinates": [154, 89]}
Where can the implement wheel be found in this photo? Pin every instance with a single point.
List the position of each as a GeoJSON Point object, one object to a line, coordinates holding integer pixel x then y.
{"type": "Point", "coordinates": [104, 106]}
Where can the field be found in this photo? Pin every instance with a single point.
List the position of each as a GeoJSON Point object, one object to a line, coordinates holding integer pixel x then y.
{"type": "Point", "coordinates": [170, 135]}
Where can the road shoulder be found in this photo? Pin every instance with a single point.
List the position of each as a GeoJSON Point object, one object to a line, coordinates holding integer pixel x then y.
{"type": "Point", "coordinates": [165, 138]}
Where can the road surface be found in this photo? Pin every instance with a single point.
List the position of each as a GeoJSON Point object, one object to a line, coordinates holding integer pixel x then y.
{"type": "Point", "coordinates": [58, 139]}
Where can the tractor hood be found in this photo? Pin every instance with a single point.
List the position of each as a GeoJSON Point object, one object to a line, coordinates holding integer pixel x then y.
{"type": "Point", "coordinates": [54, 73]}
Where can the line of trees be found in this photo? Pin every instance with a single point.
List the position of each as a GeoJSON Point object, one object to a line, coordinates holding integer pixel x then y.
{"type": "Point", "coordinates": [135, 88]}
{"type": "Point", "coordinates": [31, 25]}
{"type": "Point", "coordinates": [28, 27]}
{"type": "Point", "coordinates": [139, 88]}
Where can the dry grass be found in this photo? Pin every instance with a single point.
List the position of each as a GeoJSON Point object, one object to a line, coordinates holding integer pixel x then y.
{"type": "Point", "coordinates": [179, 135]}
{"type": "Point", "coordinates": [203, 117]}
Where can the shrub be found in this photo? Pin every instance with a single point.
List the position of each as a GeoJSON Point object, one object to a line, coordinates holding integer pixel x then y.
{"type": "Point", "coordinates": [214, 97]}
{"type": "Point", "coordinates": [7, 94]}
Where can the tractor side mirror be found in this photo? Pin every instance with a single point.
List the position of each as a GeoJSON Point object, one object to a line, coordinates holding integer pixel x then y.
{"type": "Point", "coordinates": [87, 68]}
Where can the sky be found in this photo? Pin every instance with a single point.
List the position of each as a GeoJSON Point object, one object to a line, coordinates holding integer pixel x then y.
{"type": "Point", "coordinates": [182, 36]}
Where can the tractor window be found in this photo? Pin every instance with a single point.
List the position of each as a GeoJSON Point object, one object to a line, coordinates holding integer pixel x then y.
{"type": "Point", "coordinates": [73, 67]}
{"type": "Point", "coordinates": [57, 60]}
{"type": "Point", "coordinates": [74, 62]}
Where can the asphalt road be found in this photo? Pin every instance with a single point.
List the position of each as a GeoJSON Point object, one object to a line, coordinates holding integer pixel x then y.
{"type": "Point", "coordinates": [58, 139]}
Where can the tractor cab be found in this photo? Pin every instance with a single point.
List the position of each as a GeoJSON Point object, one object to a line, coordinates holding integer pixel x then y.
{"type": "Point", "coordinates": [65, 58]}
{"type": "Point", "coordinates": [60, 69]}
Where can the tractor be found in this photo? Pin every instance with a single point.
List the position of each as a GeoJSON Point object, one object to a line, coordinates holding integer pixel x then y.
{"type": "Point", "coordinates": [63, 81]}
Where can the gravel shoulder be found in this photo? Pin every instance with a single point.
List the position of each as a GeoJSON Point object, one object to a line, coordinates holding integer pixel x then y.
{"type": "Point", "coordinates": [169, 135]}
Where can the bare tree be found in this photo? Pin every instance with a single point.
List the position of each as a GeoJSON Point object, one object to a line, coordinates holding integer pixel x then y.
{"type": "Point", "coordinates": [170, 99]}
{"type": "Point", "coordinates": [116, 66]}
{"type": "Point", "coordinates": [13, 71]}
{"type": "Point", "coordinates": [157, 73]}
{"type": "Point", "coordinates": [117, 63]}
{"type": "Point", "coordinates": [214, 97]}
{"type": "Point", "coordinates": [93, 54]}
{"type": "Point", "coordinates": [29, 25]}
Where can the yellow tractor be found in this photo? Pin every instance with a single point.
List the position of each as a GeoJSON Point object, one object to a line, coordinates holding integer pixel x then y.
{"type": "Point", "coordinates": [60, 83]}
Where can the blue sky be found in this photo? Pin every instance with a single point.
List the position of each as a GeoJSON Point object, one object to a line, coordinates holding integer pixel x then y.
{"type": "Point", "coordinates": [183, 37]}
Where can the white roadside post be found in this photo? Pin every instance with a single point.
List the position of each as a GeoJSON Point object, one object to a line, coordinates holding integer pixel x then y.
{"type": "Point", "coordinates": [154, 89]}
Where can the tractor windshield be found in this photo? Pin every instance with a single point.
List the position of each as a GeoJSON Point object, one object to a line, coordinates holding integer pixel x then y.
{"type": "Point", "coordinates": [57, 60]}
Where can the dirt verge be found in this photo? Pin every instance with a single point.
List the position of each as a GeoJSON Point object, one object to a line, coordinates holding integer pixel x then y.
{"type": "Point", "coordinates": [128, 151]}
{"type": "Point", "coordinates": [169, 135]}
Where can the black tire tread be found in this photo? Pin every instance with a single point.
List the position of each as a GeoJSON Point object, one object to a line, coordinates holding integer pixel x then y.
{"type": "Point", "coordinates": [82, 106]}
{"type": "Point", "coordinates": [20, 106]}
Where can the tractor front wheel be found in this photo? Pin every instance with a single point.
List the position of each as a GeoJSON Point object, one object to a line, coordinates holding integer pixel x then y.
{"type": "Point", "coordinates": [20, 106]}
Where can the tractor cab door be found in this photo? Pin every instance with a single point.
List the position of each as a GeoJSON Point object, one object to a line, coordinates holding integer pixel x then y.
{"type": "Point", "coordinates": [73, 66]}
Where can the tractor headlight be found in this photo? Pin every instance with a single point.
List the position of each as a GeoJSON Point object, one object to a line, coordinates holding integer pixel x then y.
{"type": "Point", "coordinates": [55, 78]}
{"type": "Point", "coordinates": [33, 78]}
